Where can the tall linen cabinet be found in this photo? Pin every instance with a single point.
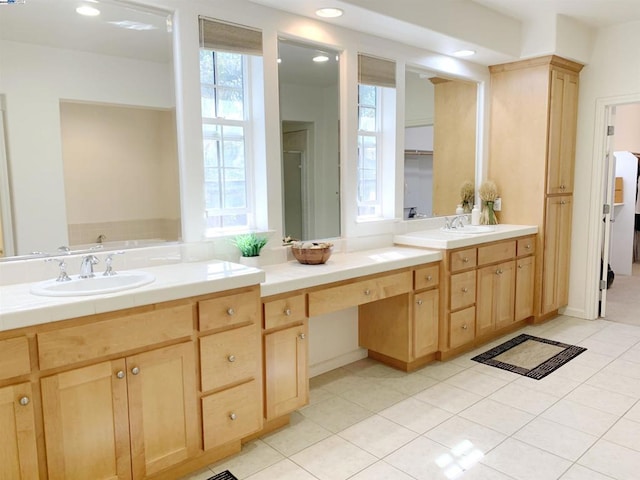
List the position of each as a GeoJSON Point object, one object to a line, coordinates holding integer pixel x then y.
{"type": "Point", "coordinates": [534, 106]}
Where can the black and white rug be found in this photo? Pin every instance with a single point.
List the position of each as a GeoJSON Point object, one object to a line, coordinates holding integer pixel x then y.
{"type": "Point", "coordinates": [530, 356]}
{"type": "Point", "coordinates": [226, 475]}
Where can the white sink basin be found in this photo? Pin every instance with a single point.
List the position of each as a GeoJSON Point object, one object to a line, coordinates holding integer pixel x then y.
{"type": "Point", "coordinates": [469, 229]}
{"type": "Point", "coordinates": [92, 286]}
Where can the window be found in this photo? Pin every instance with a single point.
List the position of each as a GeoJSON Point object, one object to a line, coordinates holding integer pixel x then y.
{"type": "Point", "coordinates": [369, 195]}
{"type": "Point", "coordinates": [226, 53]}
{"type": "Point", "coordinates": [376, 92]}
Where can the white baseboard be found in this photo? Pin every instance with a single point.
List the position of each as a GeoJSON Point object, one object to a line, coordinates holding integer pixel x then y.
{"type": "Point", "coordinates": [575, 312]}
{"type": "Point", "coordinates": [337, 362]}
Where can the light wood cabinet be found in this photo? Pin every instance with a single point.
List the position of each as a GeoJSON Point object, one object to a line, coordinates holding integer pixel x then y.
{"type": "Point", "coordinates": [230, 368]}
{"type": "Point", "coordinates": [496, 297]}
{"type": "Point", "coordinates": [426, 308]}
{"type": "Point", "coordinates": [18, 449]}
{"type": "Point", "coordinates": [557, 253]}
{"type": "Point", "coordinates": [487, 289]}
{"type": "Point", "coordinates": [534, 105]}
{"type": "Point", "coordinates": [127, 418]}
{"type": "Point", "coordinates": [286, 355]}
{"type": "Point", "coordinates": [403, 330]}
{"type": "Point", "coordinates": [524, 288]}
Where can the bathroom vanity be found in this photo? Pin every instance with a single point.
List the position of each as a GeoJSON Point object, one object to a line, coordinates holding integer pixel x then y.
{"type": "Point", "coordinates": [160, 380]}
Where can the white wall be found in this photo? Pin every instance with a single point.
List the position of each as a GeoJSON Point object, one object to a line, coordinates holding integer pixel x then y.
{"type": "Point", "coordinates": [622, 230]}
{"type": "Point", "coordinates": [627, 136]}
{"type": "Point", "coordinates": [612, 76]}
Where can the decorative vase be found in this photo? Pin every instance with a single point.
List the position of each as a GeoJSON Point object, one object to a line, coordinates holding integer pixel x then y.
{"type": "Point", "coordinates": [251, 261]}
{"type": "Point", "coordinates": [488, 216]}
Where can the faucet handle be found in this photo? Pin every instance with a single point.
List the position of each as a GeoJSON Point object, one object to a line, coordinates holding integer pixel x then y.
{"type": "Point", "coordinates": [62, 275]}
{"type": "Point", "coordinates": [109, 270]}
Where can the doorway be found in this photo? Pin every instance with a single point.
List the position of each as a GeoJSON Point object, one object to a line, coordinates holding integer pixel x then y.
{"type": "Point", "coordinates": [297, 191]}
{"type": "Point", "coordinates": [621, 300]}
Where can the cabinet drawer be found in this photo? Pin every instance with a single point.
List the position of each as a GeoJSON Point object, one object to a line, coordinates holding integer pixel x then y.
{"type": "Point", "coordinates": [498, 252]}
{"type": "Point", "coordinates": [231, 414]}
{"type": "Point", "coordinates": [463, 259]}
{"type": "Point", "coordinates": [427, 277]}
{"type": "Point", "coordinates": [462, 327]}
{"type": "Point", "coordinates": [229, 357]}
{"type": "Point", "coordinates": [117, 335]}
{"type": "Point", "coordinates": [278, 313]}
{"type": "Point", "coordinates": [14, 357]}
{"type": "Point", "coordinates": [229, 310]}
{"type": "Point", "coordinates": [463, 290]}
{"type": "Point", "coordinates": [526, 246]}
{"type": "Point", "coordinates": [364, 291]}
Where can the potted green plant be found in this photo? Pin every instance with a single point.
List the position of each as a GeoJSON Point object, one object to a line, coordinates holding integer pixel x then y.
{"type": "Point", "coordinates": [249, 245]}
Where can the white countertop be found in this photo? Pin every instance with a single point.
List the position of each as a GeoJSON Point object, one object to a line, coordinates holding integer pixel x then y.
{"type": "Point", "coordinates": [20, 308]}
{"type": "Point", "coordinates": [286, 277]}
{"type": "Point", "coordinates": [436, 238]}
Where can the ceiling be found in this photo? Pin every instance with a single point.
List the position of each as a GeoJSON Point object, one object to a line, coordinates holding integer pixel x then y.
{"type": "Point", "coordinates": [593, 13]}
{"type": "Point", "coordinates": [490, 27]}
{"type": "Point", "coordinates": [55, 23]}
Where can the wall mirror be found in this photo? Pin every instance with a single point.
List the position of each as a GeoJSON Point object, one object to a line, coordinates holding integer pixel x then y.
{"type": "Point", "coordinates": [440, 142]}
{"type": "Point", "coordinates": [89, 122]}
{"type": "Point", "coordinates": [308, 78]}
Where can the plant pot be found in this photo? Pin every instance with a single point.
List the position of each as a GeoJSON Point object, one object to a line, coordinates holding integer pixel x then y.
{"type": "Point", "coordinates": [255, 262]}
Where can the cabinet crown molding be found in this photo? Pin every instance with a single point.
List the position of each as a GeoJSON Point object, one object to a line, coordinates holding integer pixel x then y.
{"type": "Point", "coordinates": [550, 60]}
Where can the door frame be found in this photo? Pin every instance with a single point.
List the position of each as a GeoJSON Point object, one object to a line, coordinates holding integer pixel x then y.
{"type": "Point", "coordinates": [596, 229]}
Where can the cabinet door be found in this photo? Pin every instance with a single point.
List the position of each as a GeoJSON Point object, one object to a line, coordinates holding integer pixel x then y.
{"type": "Point", "coordinates": [524, 288]}
{"type": "Point", "coordinates": [504, 294]}
{"type": "Point", "coordinates": [425, 323]}
{"type": "Point", "coordinates": [484, 302]}
{"type": "Point", "coordinates": [18, 456]}
{"type": "Point", "coordinates": [496, 297]}
{"type": "Point", "coordinates": [162, 408]}
{"type": "Point", "coordinates": [557, 249]}
{"type": "Point", "coordinates": [562, 132]}
{"type": "Point", "coordinates": [286, 370]}
{"type": "Point", "coordinates": [86, 423]}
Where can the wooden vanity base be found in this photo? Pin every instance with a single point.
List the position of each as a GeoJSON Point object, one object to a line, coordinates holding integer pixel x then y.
{"type": "Point", "coordinates": [400, 365]}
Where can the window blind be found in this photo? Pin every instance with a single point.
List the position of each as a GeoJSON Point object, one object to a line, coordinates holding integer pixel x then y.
{"type": "Point", "coordinates": [376, 71]}
{"type": "Point", "coordinates": [229, 37]}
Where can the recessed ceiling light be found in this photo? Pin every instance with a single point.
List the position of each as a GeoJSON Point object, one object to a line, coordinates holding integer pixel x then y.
{"type": "Point", "coordinates": [464, 53]}
{"type": "Point", "coordinates": [321, 58]}
{"type": "Point", "coordinates": [88, 11]}
{"type": "Point", "coordinates": [329, 12]}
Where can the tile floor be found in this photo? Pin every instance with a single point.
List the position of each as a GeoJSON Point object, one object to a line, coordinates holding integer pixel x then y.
{"type": "Point", "coordinates": [461, 419]}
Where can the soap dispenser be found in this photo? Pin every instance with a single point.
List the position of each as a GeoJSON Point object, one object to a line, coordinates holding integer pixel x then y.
{"type": "Point", "coordinates": [475, 215]}
{"type": "Point", "coordinates": [459, 209]}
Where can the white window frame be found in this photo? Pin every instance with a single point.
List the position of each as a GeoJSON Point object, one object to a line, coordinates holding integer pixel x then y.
{"type": "Point", "coordinates": [249, 167]}
{"type": "Point", "coordinates": [378, 135]}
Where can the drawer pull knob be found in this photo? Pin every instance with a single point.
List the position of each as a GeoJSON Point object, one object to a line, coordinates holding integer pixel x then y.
{"type": "Point", "coordinates": [465, 260]}
{"type": "Point", "coordinates": [520, 266]}
{"type": "Point", "coordinates": [419, 302]}
{"type": "Point", "coordinates": [233, 416]}
{"type": "Point", "coordinates": [230, 311]}
{"type": "Point", "coordinates": [429, 278]}
{"type": "Point", "coordinates": [301, 336]}
{"type": "Point", "coordinates": [367, 292]}
{"type": "Point", "coordinates": [135, 370]}
{"type": "Point", "coordinates": [287, 312]}
{"type": "Point", "coordinates": [499, 272]}
{"type": "Point", "coordinates": [562, 202]}
{"type": "Point", "coordinates": [231, 358]}
{"type": "Point", "coordinates": [465, 290]}
{"type": "Point", "coordinates": [24, 401]}
{"type": "Point", "coordinates": [465, 327]}
{"type": "Point", "coordinates": [120, 374]}
{"type": "Point", "coordinates": [528, 246]}
{"type": "Point", "coordinates": [563, 187]}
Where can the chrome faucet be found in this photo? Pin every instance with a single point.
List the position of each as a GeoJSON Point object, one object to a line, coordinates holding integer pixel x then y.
{"type": "Point", "coordinates": [109, 271]}
{"type": "Point", "coordinates": [455, 222]}
{"type": "Point", "coordinates": [62, 265]}
{"type": "Point", "coordinates": [86, 268]}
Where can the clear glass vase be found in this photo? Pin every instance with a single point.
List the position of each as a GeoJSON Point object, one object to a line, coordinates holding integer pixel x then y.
{"type": "Point", "coordinates": [488, 216]}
